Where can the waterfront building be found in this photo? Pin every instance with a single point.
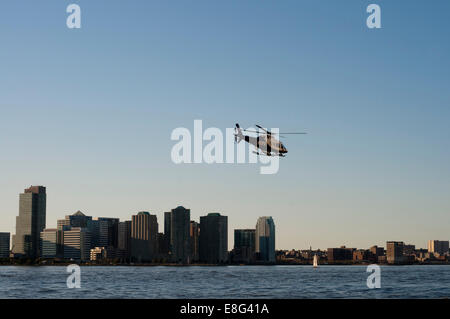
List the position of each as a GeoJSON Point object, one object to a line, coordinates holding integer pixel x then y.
{"type": "Point", "coordinates": [97, 253]}
{"type": "Point", "coordinates": [168, 229]}
{"type": "Point", "coordinates": [52, 243]}
{"type": "Point", "coordinates": [409, 250]}
{"type": "Point", "coordinates": [394, 252]}
{"type": "Point", "coordinates": [213, 239]}
{"type": "Point", "coordinates": [304, 254]}
{"type": "Point", "coordinates": [440, 247]}
{"type": "Point", "coordinates": [144, 237]}
{"type": "Point", "coordinates": [108, 231]}
{"type": "Point", "coordinates": [180, 220]}
{"type": "Point", "coordinates": [163, 247]}
{"type": "Point", "coordinates": [4, 245]}
{"type": "Point", "coordinates": [382, 259]}
{"type": "Point", "coordinates": [77, 243]}
{"type": "Point", "coordinates": [194, 233]}
{"type": "Point", "coordinates": [265, 239]}
{"type": "Point", "coordinates": [363, 255]}
{"type": "Point", "coordinates": [339, 255]}
{"type": "Point", "coordinates": [124, 239]}
{"type": "Point", "coordinates": [103, 253]}
{"type": "Point", "coordinates": [377, 251]}
{"type": "Point", "coordinates": [244, 245]}
{"type": "Point", "coordinates": [30, 222]}
{"type": "Point", "coordinates": [77, 219]}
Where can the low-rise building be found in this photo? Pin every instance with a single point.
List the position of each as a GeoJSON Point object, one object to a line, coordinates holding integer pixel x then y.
{"type": "Point", "coordinates": [440, 247]}
{"type": "Point", "coordinates": [340, 255]}
{"type": "Point", "coordinates": [363, 255]}
{"type": "Point", "coordinates": [103, 253]}
{"type": "Point", "coordinates": [394, 252]}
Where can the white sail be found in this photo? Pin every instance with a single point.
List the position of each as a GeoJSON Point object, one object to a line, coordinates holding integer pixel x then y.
{"type": "Point", "coordinates": [315, 262]}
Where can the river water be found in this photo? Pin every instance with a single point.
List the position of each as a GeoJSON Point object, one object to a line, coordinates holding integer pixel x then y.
{"type": "Point", "coordinates": [416, 281]}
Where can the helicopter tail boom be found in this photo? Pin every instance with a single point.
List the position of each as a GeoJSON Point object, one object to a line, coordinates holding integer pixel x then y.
{"type": "Point", "coordinates": [238, 136]}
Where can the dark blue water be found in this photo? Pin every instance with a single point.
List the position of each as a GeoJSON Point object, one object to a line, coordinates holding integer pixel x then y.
{"type": "Point", "coordinates": [226, 282]}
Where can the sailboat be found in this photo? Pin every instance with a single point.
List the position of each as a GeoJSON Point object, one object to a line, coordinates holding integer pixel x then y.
{"type": "Point", "coordinates": [315, 261]}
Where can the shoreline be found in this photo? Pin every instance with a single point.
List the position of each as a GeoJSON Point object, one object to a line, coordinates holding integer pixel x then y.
{"type": "Point", "coordinates": [213, 265]}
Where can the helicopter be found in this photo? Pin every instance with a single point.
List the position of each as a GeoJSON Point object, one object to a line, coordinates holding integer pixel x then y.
{"type": "Point", "coordinates": [265, 142]}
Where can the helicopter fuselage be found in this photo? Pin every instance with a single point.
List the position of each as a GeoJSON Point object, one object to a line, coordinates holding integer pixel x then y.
{"type": "Point", "coordinates": [267, 144]}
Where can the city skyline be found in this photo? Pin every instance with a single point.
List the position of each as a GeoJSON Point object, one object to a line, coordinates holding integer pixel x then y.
{"type": "Point", "coordinates": [90, 112]}
{"type": "Point", "coordinates": [164, 221]}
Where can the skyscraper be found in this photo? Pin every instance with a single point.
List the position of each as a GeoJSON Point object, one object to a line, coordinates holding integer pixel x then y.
{"type": "Point", "coordinates": [265, 239]}
{"type": "Point", "coordinates": [144, 237]}
{"type": "Point", "coordinates": [4, 245]}
{"type": "Point", "coordinates": [438, 246]}
{"type": "Point", "coordinates": [124, 239]}
{"type": "Point", "coordinates": [180, 218]}
{"type": "Point", "coordinates": [30, 222]}
{"type": "Point", "coordinates": [194, 232]}
{"type": "Point", "coordinates": [163, 247]}
{"type": "Point", "coordinates": [168, 229]}
{"type": "Point", "coordinates": [108, 231]}
{"type": "Point", "coordinates": [244, 245]}
{"type": "Point", "coordinates": [214, 238]}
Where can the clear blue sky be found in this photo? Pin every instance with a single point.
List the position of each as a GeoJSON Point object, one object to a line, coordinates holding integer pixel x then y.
{"type": "Point", "coordinates": [88, 113]}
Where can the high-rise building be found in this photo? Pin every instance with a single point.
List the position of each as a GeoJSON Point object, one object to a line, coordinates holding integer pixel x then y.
{"type": "Point", "coordinates": [77, 243]}
{"type": "Point", "coordinates": [163, 247]}
{"type": "Point", "coordinates": [180, 218]}
{"type": "Point", "coordinates": [394, 252]}
{"type": "Point", "coordinates": [124, 239]}
{"type": "Point", "coordinates": [52, 243]}
{"type": "Point", "coordinates": [144, 237]}
{"type": "Point", "coordinates": [194, 232]}
{"type": "Point", "coordinates": [108, 231]}
{"type": "Point", "coordinates": [244, 245]}
{"type": "Point", "coordinates": [93, 225]}
{"type": "Point", "coordinates": [438, 246]}
{"type": "Point", "coordinates": [4, 245]}
{"type": "Point", "coordinates": [30, 222]}
{"type": "Point", "coordinates": [168, 229]}
{"type": "Point", "coordinates": [77, 219]}
{"type": "Point", "coordinates": [214, 238]}
{"type": "Point", "coordinates": [265, 239]}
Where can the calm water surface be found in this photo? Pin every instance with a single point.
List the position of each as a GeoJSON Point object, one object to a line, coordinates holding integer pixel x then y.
{"type": "Point", "coordinates": [226, 282]}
